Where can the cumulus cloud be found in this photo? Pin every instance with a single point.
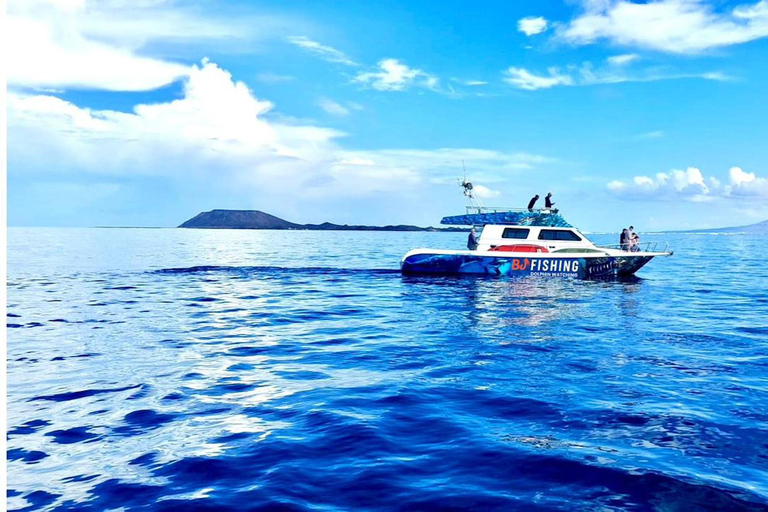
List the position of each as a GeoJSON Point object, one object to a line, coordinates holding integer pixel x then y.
{"type": "Point", "coordinates": [392, 75]}
{"type": "Point", "coordinates": [326, 53]}
{"type": "Point", "coordinates": [76, 44]}
{"type": "Point", "coordinates": [587, 74]}
{"type": "Point", "coordinates": [746, 184]}
{"type": "Point", "coordinates": [49, 56]}
{"type": "Point", "coordinates": [532, 25]}
{"type": "Point", "coordinates": [219, 135]}
{"type": "Point", "coordinates": [674, 26]}
{"type": "Point", "coordinates": [690, 185]}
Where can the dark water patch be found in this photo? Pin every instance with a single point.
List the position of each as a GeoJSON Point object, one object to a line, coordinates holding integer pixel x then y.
{"type": "Point", "coordinates": [12, 315]}
{"type": "Point", "coordinates": [29, 427]}
{"type": "Point", "coordinates": [80, 478]}
{"type": "Point", "coordinates": [143, 420]}
{"type": "Point", "coordinates": [75, 395]}
{"type": "Point", "coordinates": [30, 456]}
{"type": "Point", "coordinates": [255, 270]}
{"type": "Point", "coordinates": [240, 367]}
{"type": "Point", "coordinates": [146, 459]}
{"type": "Point", "coordinates": [73, 435]}
{"type": "Point", "coordinates": [38, 500]}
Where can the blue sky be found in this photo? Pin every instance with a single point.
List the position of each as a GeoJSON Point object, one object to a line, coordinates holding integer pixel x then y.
{"type": "Point", "coordinates": [130, 113]}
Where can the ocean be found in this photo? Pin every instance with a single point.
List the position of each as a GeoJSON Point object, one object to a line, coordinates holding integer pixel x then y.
{"type": "Point", "coordinates": [170, 369]}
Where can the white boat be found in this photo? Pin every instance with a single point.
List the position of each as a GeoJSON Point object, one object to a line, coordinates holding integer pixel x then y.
{"type": "Point", "coordinates": [521, 242]}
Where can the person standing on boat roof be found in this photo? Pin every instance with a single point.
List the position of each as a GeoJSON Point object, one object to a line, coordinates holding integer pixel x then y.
{"type": "Point", "coordinates": [548, 202]}
{"type": "Point", "coordinates": [532, 202]}
{"type": "Point", "coordinates": [472, 242]}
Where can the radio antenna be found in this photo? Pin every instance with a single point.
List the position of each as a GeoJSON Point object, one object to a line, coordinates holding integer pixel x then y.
{"type": "Point", "coordinates": [474, 202]}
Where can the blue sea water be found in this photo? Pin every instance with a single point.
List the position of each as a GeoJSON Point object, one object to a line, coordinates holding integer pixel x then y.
{"type": "Point", "coordinates": [166, 369]}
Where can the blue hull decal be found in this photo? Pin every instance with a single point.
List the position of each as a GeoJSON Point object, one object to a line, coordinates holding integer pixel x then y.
{"type": "Point", "coordinates": [521, 266]}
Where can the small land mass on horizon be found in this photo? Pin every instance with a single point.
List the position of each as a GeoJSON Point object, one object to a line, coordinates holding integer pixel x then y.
{"type": "Point", "coordinates": [255, 219]}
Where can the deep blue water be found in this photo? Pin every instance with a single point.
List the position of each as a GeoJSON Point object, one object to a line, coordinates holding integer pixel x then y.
{"type": "Point", "coordinates": [204, 370]}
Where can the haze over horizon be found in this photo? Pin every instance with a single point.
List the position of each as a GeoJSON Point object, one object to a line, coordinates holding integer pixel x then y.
{"type": "Point", "coordinates": [650, 114]}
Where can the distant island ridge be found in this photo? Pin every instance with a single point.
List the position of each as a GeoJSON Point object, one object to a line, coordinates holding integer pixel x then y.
{"type": "Point", "coordinates": [256, 219]}
{"type": "Point", "coordinates": [761, 228]}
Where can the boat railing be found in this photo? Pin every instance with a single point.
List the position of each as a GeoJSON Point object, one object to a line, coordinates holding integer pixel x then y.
{"type": "Point", "coordinates": [498, 209]}
{"type": "Point", "coordinates": [640, 247]}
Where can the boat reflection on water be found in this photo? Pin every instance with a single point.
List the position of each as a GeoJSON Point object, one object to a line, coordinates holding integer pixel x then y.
{"type": "Point", "coordinates": [496, 306]}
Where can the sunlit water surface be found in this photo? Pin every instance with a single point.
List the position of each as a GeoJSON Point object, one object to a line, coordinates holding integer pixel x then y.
{"type": "Point", "coordinates": [202, 370]}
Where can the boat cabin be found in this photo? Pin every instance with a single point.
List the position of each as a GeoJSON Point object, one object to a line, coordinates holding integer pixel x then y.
{"type": "Point", "coordinates": [508, 238]}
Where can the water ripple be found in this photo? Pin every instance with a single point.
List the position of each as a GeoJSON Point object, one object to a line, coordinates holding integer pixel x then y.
{"type": "Point", "coordinates": [208, 370]}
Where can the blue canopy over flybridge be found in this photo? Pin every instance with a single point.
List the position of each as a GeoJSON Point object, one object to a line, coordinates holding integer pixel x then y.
{"type": "Point", "coordinates": [517, 217]}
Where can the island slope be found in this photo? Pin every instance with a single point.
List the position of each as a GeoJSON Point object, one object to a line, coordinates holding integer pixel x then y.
{"type": "Point", "coordinates": [255, 219]}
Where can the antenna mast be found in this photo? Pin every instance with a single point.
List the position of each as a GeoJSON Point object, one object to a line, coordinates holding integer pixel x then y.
{"type": "Point", "coordinates": [474, 203]}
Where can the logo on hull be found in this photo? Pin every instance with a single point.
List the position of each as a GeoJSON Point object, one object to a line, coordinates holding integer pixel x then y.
{"type": "Point", "coordinates": [546, 266]}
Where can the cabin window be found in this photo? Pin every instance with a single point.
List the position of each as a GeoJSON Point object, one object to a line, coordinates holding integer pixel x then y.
{"type": "Point", "coordinates": [519, 233]}
{"type": "Point", "coordinates": [556, 234]}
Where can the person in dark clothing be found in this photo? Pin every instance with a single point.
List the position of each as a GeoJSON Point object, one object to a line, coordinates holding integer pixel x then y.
{"type": "Point", "coordinates": [532, 202]}
{"type": "Point", "coordinates": [624, 240]}
{"type": "Point", "coordinates": [548, 200]}
{"type": "Point", "coordinates": [472, 241]}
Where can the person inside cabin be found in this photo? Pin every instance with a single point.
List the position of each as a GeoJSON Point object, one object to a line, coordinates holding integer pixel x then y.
{"type": "Point", "coordinates": [624, 239]}
{"type": "Point", "coordinates": [472, 241]}
{"type": "Point", "coordinates": [548, 202]}
{"type": "Point", "coordinates": [532, 202]}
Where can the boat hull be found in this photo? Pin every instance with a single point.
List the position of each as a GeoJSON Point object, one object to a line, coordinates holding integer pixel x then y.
{"type": "Point", "coordinates": [584, 267]}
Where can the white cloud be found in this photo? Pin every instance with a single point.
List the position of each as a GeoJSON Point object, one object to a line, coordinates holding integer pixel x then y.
{"type": "Point", "coordinates": [524, 79]}
{"type": "Point", "coordinates": [218, 136]}
{"type": "Point", "coordinates": [690, 185]}
{"type": "Point", "coordinates": [327, 53]}
{"type": "Point", "coordinates": [81, 44]}
{"type": "Point", "coordinates": [586, 74]}
{"type": "Point", "coordinates": [485, 165]}
{"type": "Point", "coordinates": [746, 184]}
{"type": "Point", "coordinates": [484, 192]}
{"type": "Point", "coordinates": [674, 26]}
{"type": "Point", "coordinates": [332, 107]}
{"type": "Point", "coordinates": [622, 60]}
{"type": "Point", "coordinates": [532, 25]}
{"type": "Point", "coordinates": [49, 55]}
{"type": "Point", "coordinates": [395, 76]}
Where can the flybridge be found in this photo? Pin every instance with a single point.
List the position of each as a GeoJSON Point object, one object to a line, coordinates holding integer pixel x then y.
{"type": "Point", "coordinates": [479, 216]}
